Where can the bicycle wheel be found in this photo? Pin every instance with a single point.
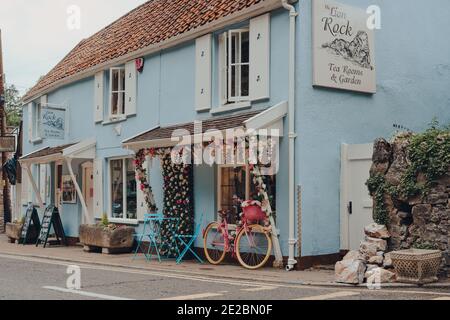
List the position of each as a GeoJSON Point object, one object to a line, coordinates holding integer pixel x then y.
{"type": "Point", "coordinates": [253, 247]}
{"type": "Point", "coordinates": [214, 244]}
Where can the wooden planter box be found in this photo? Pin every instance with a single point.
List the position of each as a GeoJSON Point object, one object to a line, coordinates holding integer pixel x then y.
{"type": "Point", "coordinates": [417, 266]}
{"type": "Point", "coordinates": [96, 238]}
{"type": "Point", "coordinates": [14, 231]}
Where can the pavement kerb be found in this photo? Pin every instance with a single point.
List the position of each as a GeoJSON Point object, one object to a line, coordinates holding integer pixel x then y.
{"type": "Point", "coordinates": [439, 285]}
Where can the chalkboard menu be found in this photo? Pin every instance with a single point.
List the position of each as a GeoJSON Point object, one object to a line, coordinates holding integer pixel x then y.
{"type": "Point", "coordinates": [31, 220]}
{"type": "Point", "coordinates": [51, 219]}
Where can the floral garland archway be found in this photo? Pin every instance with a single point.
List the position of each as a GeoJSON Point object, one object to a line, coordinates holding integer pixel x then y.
{"type": "Point", "coordinates": [179, 186]}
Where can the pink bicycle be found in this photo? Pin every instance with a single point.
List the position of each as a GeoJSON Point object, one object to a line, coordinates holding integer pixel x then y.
{"type": "Point", "coordinates": [252, 245]}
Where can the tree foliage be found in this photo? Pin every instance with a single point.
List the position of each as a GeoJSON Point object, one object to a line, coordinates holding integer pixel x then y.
{"type": "Point", "coordinates": [13, 107]}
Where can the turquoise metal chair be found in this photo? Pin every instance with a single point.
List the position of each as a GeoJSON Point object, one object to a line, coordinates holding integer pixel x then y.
{"type": "Point", "coordinates": [152, 223]}
{"type": "Point", "coordinates": [188, 241]}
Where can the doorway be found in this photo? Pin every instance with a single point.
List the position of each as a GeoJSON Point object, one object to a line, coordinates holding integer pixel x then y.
{"type": "Point", "coordinates": [356, 202]}
{"type": "Point", "coordinates": [88, 186]}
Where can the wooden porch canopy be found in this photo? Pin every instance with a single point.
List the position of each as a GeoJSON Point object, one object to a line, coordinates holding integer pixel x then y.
{"type": "Point", "coordinates": [84, 150]}
{"type": "Point", "coordinates": [161, 137]}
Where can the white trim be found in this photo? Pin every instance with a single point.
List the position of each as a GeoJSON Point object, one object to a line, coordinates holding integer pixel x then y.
{"type": "Point", "coordinates": [140, 134]}
{"type": "Point", "coordinates": [268, 117]}
{"type": "Point", "coordinates": [85, 145]}
{"type": "Point", "coordinates": [253, 11]}
{"type": "Point", "coordinates": [344, 219]}
{"type": "Point", "coordinates": [232, 107]}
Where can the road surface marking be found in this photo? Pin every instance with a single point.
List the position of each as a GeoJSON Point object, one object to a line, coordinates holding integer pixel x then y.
{"type": "Point", "coordinates": [442, 298]}
{"type": "Point", "coordinates": [259, 289]}
{"type": "Point", "coordinates": [194, 296]}
{"type": "Point", "coordinates": [341, 294]}
{"type": "Point", "coordinates": [186, 276]}
{"type": "Point", "coordinates": [85, 293]}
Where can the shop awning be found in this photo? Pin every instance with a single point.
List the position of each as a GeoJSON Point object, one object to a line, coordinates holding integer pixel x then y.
{"type": "Point", "coordinates": [162, 136]}
{"type": "Point", "coordinates": [84, 150]}
{"type": "Point", "coordinates": [81, 150]}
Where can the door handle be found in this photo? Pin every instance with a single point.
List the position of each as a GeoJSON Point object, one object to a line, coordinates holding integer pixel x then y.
{"type": "Point", "coordinates": [350, 207]}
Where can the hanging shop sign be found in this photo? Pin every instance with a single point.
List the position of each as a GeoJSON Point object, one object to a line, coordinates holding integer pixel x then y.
{"type": "Point", "coordinates": [7, 144]}
{"type": "Point", "coordinates": [343, 47]}
{"type": "Point", "coordinates": [53, 123]}
{"type": "Point", "coordinates": [51, 220]}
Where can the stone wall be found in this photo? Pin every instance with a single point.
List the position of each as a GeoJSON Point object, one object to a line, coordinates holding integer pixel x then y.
{"type": "Point", "coordinates": [419, 221]}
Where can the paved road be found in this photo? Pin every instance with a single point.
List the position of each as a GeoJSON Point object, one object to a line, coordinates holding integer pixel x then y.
{"type": "Point", "coordinates": [32, 278]}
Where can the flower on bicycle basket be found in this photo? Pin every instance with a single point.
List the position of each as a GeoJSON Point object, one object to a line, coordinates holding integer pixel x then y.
{"type": "Point", "coordinates": [250, 203]}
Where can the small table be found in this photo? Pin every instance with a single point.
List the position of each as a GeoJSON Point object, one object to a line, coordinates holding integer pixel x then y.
{"type": "Point", "coordinates": [152, 230]}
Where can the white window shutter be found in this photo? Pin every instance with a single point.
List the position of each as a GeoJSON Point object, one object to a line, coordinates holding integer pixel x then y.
{"type": "Point", "coordinates": [30, 121]}
{"type": "Point", "coordinates": [98, 97]}
{"type": "Point", "coordinates": [223, 69]}
{"type": "Point", "coordinates": [98, 188]}
{"type": "Point", "coordinates": [260, 57]}
{"type": "Point", "coordinates": [130, 88]}
{"type": "Point", "coordinates": [203, 73]}
{"type": "Point", "coordinates": [142, 209]}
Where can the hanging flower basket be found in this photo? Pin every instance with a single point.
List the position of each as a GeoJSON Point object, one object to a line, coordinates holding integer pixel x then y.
{"type": "Point", "coordinates": [252, 211]}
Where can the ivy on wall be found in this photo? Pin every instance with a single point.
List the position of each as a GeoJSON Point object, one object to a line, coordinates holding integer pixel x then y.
{"type": "Point", "coordinates": [429, 155]}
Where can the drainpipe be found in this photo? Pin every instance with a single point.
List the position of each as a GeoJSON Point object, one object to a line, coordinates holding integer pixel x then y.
{"type": "Point", "coordinates": [292, 135]}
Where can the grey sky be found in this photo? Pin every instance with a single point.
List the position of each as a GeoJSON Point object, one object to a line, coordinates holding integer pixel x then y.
{"type": "Point", "coordinates": [36, 35]}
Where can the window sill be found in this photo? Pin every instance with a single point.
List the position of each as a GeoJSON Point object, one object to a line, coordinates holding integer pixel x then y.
{"type": "Point", "coordinates": [232, 107]}
{"type": "Point", "coordinates": [124, 221]}
{"type": "Point", "coordinates": [114, 121]}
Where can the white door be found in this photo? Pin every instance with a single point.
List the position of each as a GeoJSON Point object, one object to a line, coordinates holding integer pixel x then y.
{"type": "Point", "coordinates": [356, 203]}
{"type": "Point", "coordinates": [88, 187]}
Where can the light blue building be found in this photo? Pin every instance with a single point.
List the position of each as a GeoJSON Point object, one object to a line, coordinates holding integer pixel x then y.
{"type": "Point", "coordinates": [229, 65]}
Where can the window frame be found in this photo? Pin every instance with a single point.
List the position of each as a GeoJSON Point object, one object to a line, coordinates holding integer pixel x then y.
{"type": "Point", "coordinates": [120, 90]}
{"type": "Point", "coordinates": [124, 194]}
{"type": "Point", "coordinates": [219, 184]}
{"type": "Point", "coordinates": [225, 71]}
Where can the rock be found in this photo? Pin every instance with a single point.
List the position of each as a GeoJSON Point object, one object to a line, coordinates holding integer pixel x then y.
{"type": "Point", "coordinates": [387, 263]}
{"type": "Point", "coordinates": [354, 255]}
{"type": "Point", "coordinates": [368, 249]}
{"type": "Point", "coordinates": [370, 267]}
{"type": "Point", "coordinates": [400, 161]}
{"type": "Point", "coordinates": [378, 260]}
{"type": "Point", "coordinates": [350, 271]}
{"type": "Point", "coordinates": [404, 215]}
{"type": "Point", "coordinates": [384, 276]}
{"type": "Point", "coordinates": [380, 243]}
{"type": "Point", "coordinates": [377, 231]}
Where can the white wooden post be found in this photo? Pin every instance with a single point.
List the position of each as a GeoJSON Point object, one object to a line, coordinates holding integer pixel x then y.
{"type": "Point", "coordinates": [35, 188]}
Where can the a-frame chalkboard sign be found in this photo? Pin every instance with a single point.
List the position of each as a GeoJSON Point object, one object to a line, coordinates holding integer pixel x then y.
{"type": "Point", "coordinates": [51, 219]}
{"type": "Point", "coordinates": [31, 220]}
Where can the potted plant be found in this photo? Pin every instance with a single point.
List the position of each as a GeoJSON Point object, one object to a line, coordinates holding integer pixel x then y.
{"type": "Point", "coordinates": [14, 231]}
{"type": "Point", "coordinates": [107, 237]}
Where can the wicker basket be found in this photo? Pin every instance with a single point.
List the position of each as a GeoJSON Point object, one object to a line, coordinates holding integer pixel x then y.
{"type": "Point", "coordinates": [417, 266]}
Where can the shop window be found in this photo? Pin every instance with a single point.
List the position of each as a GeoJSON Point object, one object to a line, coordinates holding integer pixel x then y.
{"type": "Point", "coordinates": [117, 93]}
{"type": "Point", "coordinates": [235, 185]}
{"type": "Point", "coordinates": [123, 192]}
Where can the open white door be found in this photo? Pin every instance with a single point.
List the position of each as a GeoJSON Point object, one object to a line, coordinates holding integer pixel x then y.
{"type": "Point", "coordinates": [356, 203]}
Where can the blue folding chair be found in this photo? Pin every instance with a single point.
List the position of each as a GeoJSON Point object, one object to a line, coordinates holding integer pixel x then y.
{"type": "Point", "coordinates": [188, 241]}
{"type": "Point", "coordinates": [152, 222]}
